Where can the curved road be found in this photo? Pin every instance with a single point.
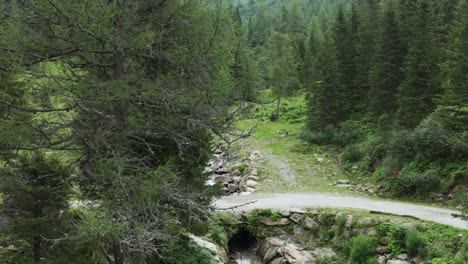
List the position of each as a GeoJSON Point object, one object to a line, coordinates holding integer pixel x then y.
{"type": "Point", "coordinates": [317, 200]}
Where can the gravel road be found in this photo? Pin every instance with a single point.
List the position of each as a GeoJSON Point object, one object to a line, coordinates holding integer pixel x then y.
{"type": "Point", "coordinates": [323, 200]}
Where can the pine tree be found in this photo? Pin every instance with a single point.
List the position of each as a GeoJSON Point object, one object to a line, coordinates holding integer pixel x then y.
{"type": "Point", "coordinates": [344, 48]}
{"type": "Point", "coordinates": [416, 94]}
{"type": "Point", "coordinates": [453, 106]}
{"type": "Point", "coordinates": [36, 192]}
{"type": "Point", "coordinates": [282, 70]}
{"type": "Point", "coordinates": [386, 74]}
{"type": "Point", "coordinates": [323, 103]}
{"type": "Point", "coordinates": [365, 50]}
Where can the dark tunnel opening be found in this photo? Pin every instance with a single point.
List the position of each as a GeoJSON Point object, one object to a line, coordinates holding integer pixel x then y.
{"type": "Point", "coordinates": [242, 240]}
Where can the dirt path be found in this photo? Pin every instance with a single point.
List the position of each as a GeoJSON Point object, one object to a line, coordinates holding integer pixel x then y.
{"type": "Point", "coordinates": [324, 200]}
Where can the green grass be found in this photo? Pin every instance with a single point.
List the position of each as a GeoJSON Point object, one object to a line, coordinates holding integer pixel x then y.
{"type": "Point", "coordinates": [315, 170]}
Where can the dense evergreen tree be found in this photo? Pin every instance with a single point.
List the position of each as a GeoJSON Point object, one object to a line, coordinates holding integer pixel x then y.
{"type": "Point", "coordinates": [282, 70]}
{"type": "Point", "coordinates": [386, 74]}
{"type": "Point", "coordinates": [323, 102]}
{"type": "Point", "coordinates": [365, 50]}
{"type": "Point", "coordinates": [37, 190]}
{"type": "Point", "coordinates": [344, 48]}
{"type": "Point", "coordinates": [454, 103]}
{"type": "Point", "coordinates": [417, 92]}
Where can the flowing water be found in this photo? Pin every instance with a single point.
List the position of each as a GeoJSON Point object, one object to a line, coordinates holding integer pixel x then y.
{"type": "Point", "coordinates": [245, 257]}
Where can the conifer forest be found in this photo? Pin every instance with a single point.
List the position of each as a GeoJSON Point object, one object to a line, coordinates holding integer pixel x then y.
{"type": "Point", "coordinates": [233, 131]}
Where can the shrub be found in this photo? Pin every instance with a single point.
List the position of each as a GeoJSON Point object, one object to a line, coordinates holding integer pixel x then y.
{"type": "Point", "coordinates": [363, 250]}
{"type": "Point", "coordinates": [400, 146]}
{"type": "Point", "coordinates": [348, 132]}
{"type": "Point", "coordinates": [352, 153]}
{"type": "Point", "coordinates": [432, 140]}
{"type": "Point", "coordinates": [395, 234]}
{"type": "Point", "coordinates": [186, 252]}
{"type": "Point", "coordinates": [412, 181]}
{"type": "Point", "coordinates": [416, 244]}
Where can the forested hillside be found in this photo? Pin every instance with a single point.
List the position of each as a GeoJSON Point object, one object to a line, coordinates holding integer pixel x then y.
{"type": "Point", "coordinates": [386, 83]}
{"type": "Point", "coordinates": [111, 109]}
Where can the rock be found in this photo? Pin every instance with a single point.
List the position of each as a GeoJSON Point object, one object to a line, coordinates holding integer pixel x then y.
{"type": "Point", "coordinates": [342, 182]}
{"type": "Point", "coordinates": [274, 241]}
{"type": "Point", "coordinates": [270, 222]}
{"type": "Point", "coordinates": [310, 224]}
{"type": "Point", "coordinates": [233, 187]}
{"type": "Point", "coordinates": [382, 260]}
{"type": "Point", "coordinates": [222, 170]}
{"type": "Point", "coordinates": [324, 253]}
{"type": "Point", "coordinates": [236, 179]}
{"type": "Point", "coordinates": [254, 172]}
{"type": "Point", "coordinates": [319, 159]}
{"type": "Point", "coordinates": [251, 183]}
{"type": "Point", "coordinates": [402, 257]}
{"type": "Point", "coordinates": [253, 178]}
{"type": "Point", "coordinates": [205, 244]}
{"type": "Point", "coordinates": [250, 189]}
{"type": "Point", "coordinates": [297, 211]}
{"type": "Point", "coordinates": [245, 193]}
{"type": "Point", "coordinates": [347, 186]}
{"type": "Point", "coordinates": [225, 189]}
{"type": "Point", "coordinates": [397, 261]}
{"type": "Point", "coordinates": [296, 218]}
{"type": "Point", "coordinates": [382, 250]}
{"type": "Point", "coordinates": [284, 212]}
{"type": "Point", "coordinates": [272, 253]}
{"type": "Point", "coordinates": [366, 221]}
{"type": "Point", "coordinates": [349, 221]}
{"type": "Point", "coordinates": [280, 260]}
{"type": "Point", "coordinates": [226, 179]}
{"type": "Point", "coordinates": [294, 254]}
{"type": "Point", "coordinates": [237, 172]}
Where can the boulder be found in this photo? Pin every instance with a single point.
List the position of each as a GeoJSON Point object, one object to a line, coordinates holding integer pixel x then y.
{"type": "Point", "coordinates": [296, 218]}
{"type": "Point", "coordinates": [250, 189]}
{"type": "Point", "coordinates": [310, 224]}
{"type": "Point", "coordinates": [323, 253]}
{"type": "Point", "coordinates": [236, 179]}
{"type": "Point", "coordinates": [280, 260]}
{"type": "Point", "coordinates": [297, 211]}
{"type": "Point", "coordinates": [253, 178]}
{"type": "Point", "coordinates": [382, 260]}
{"type": "Point", "coordinates": [342, 182]}
{"type": "Point", "coordinates": [382, 250]}
{"type": "Point", "coordinates": [205, 244]}
{"type": "Point", "coordinates": [285, 212]}
{"type": "Point", "coordinates": [233, 187]}
{"type": "Point", "coordinates": [271, 254]}
{"type": "Point", "coordinates": [254, 172]}
{"type": "Point", "coordinates": [270, 222]}
{"type": "Point", "coordinates": [397, 261]}
{"type": "Point", "coordinates": [402, 257]}
{"type": "Point", "coordinates": [294, 254]}
{"type": "Point", "coordinates": [349, 221]}
{"type": "Point", "coordinates": [251, 183]}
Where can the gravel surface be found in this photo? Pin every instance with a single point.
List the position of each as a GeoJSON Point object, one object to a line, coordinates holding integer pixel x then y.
{"type": "Point", "coordinates": [317, 200]}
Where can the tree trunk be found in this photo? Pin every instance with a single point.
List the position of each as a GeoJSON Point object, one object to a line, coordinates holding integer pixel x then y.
{"type": "Point", "coordinates": [278, 102]}
{"type": "Point", "coordinates": [36, 244]}
{"type": "Point", "coordinates": [120, 251]}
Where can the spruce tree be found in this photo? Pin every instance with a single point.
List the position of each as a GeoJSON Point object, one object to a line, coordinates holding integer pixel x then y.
{"type": "Point", "coordinates": [365, 50]}
{"type": "Point", "coordinates": [344, 48]}
{"type": "Point", "coordinates": [386, 74]}
{"type": "Point", "coordinates": [36, 190]}
{"type": "Point", "coordinates": [453, 106]}
{"type": "Point", "coordinates": [323, 103]}
{"type": "Point", "coordinates": [417, 92]}
{"type": "Point", "coordinates": [282, 70]}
